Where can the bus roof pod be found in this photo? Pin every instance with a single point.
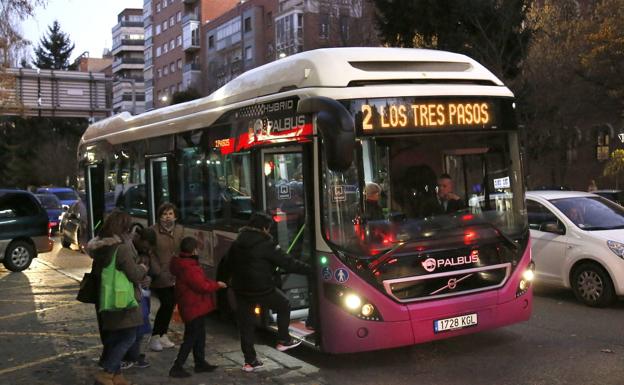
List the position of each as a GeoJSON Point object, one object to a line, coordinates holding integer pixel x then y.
{"type": "Point", "coordinates": [320, 68]}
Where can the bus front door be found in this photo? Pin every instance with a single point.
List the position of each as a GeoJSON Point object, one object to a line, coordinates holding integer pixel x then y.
{"type": "Point", "coordinates": [158, 179]}
{"type": "Point", "coordinates": [285, 200]}
{"type": "Point", "coordinates": [95, 198]}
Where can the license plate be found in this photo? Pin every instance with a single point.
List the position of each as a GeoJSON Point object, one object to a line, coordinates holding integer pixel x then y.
{"type": "Point", "coordinates": [454, 323]}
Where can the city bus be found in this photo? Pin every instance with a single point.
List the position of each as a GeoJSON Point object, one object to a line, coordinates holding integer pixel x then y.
{"type": "Point", "coordinates": [301, 138]}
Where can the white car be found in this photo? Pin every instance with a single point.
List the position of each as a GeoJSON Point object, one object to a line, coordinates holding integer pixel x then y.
{"type": "Point", "coordinates": [578, 242]}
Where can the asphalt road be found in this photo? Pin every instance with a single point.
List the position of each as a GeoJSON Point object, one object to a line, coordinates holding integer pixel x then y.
{"type": "Point", "coordinates": [565, 342]}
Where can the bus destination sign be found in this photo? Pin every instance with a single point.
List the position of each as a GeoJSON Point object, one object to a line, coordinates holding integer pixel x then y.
{"type": "Point", "coordinates": [403, 115]}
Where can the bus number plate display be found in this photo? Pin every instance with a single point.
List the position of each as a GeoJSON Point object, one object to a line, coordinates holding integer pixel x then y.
{"type": "Point", "coordinates": [454, 323]}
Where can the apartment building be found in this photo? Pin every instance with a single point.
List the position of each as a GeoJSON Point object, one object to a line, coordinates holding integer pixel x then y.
{"type": "Point", "coordinates": [256, 32]}
{"type": "Point", "coordinates": [127, 51]}
{"type": "Point", "coordinates": [173, 44]}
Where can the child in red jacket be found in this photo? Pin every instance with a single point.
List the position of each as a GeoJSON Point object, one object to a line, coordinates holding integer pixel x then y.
{"type": "Point", "coordinates": [193, 294]}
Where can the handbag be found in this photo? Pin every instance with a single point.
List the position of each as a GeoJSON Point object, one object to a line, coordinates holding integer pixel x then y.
{"type": "Point", "coordinates": [117, 292]}
{"type": "Point", "coordinates": [88, 292]}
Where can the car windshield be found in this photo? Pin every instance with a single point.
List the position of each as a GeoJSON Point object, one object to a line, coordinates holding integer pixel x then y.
{"type": "Point", "coordinates": [66, 195]}
{"type": "Point", "coordinates": [592, 213]}
{"type": "Point", "coordinates": [49, 201]}
{"type": "Point", "coordinates": [426, 188]}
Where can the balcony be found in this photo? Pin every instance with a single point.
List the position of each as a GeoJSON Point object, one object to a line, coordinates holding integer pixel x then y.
{"type": "Point", "coordinates": [190, 36]}
{"type": "Point", "coordinates": [128, 63]}
{"type": "Point", "coordinates": [128, 45]}
{"type": "Point", "coordinates": [191, 75]}
{"type": "Point", "coordinates": [190, 17]}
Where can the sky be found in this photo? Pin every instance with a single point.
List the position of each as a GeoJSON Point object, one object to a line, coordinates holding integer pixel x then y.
{"type": "Point", "coordinates": [88, 22]}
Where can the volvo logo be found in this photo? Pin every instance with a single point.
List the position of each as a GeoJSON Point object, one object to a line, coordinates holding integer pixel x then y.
{"type": "Point", "coordinates": [452, 283]}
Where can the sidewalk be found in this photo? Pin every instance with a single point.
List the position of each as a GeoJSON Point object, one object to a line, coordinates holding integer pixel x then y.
{"type": "Point", "coordinates": [223, 349]}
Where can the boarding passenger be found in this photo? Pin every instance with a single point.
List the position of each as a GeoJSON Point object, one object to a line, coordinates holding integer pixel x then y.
{"type": "Point", "coordinates": [193, 294]}
{"type": "Point", "coordinates": [168, 238]}
{"type": "Point", "coordinates": [251, 264]}
{"type": "Point", "coordinates": [144, 242]}
{"type": "Point", "coordinates": [118, 326]}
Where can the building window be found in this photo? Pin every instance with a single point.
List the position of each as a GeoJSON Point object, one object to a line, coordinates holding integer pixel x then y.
{"type": "Point", "coordinates": [171, 89]}
{"type": "Point", "coordinates": [602, 146]}
{"type": "Point", "coordinates": [179, 16]}
{"type": "Point", "coordinates": [164, 25]}
{"type": "Point", "coordinates": [165, 48]}
{"type": "Point", "coordinates": [248, 24]}
{"type": "Point", "coordinates": [157, 7]}
{"type": "Point", "coordinates": [172, 21]}
{"type": "Point", "coordinates": [269, 19]}
{"type": "Point", "coordinates": [248, 53]}
{"type": "Point", "coordinates": [166, 70]}
{"type": "Point", "coordinates": [344, 28]}
{"type": "Point", "coordinates": [157, 29]}
{"type": "Point", "coordinates": [179, 64]}
{"type": "Point", "coordinates": [158, 51]}
{"type": "Point", "coordinates": [211, 41]}
{"type": "Point", "coordinates": [179, 40]}
{"type": "Point", "coordinates": [324, 26]}
{"type": "Point", "coordinates": [171, 44]}
{"type": "Point", "coordinates": [172, 67]}
{"type": "Point", "coordinates": [159, 73]}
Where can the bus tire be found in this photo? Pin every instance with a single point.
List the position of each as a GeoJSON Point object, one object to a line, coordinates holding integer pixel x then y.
{"type": "Point", "coordinates": [592, 285]}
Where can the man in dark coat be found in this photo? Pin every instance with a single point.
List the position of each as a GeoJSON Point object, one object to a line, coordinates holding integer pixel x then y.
{"type": "Point", "coordinates": [449, 201]}
{"type": "Point", "coordinates": [251, 264]}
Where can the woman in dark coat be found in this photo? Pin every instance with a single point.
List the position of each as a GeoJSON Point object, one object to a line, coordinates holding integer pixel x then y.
{"type": "Point", "coordinates": [118, 327]}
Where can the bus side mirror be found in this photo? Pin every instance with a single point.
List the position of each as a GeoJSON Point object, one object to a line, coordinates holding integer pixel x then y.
{"type": "Point", "coordinates": [337, 129]}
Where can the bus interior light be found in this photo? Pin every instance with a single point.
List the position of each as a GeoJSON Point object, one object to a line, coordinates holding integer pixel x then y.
{"type": "Point", "coordinates": [257, 310]}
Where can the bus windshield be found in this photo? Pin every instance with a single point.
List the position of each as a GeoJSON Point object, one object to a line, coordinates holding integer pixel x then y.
{"type": "Point", "coordinates": [433, 190]}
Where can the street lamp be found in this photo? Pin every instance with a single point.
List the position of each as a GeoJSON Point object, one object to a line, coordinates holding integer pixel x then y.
{"type": "Point", "coordinates": [164, 99]}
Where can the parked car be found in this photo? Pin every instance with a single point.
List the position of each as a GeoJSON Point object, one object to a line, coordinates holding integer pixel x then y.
{"type": "Point", "coordinates": [578, 243]}
{"type": "Point", "coordinates": [616, 196]}
{"type": "Point", "coordinates": [24, 230]}
{"type": "Point", "coordinates": [552, 187]}
{"type": "Point", "coordinates": [52, 205]}
{"type": "Point", "coordinates": [66, 195]}
{"type": "Point", "coordinates": [74, 226]}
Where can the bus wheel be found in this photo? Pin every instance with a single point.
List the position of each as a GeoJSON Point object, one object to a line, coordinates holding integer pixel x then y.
{"type": "Point", "coordinates": [18, 256]}
{"type": "Point", "coordinates": [592, 285]}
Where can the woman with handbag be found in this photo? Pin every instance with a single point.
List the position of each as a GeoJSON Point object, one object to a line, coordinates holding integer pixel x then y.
{"type": "Point", "coordinates": [118, 306]}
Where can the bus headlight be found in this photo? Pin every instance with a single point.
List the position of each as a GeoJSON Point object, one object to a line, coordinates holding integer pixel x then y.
{"type": "Point", "coordinates": [525, 281]}
{"type": "Point", "coordinates": [367, 310]}
{"type": "Point", "coordinates": [353, 301]}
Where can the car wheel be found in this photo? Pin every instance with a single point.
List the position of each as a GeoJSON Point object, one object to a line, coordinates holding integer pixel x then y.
{"type": "Point", "coordinates": [66, 243]}
{"type": "Point", "coordinates": [18, 256]}
{"type": "Point", "coordinates": [592, 285]}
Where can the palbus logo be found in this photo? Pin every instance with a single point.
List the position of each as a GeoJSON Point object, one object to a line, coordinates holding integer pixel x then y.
{"type": "Point", "coordinates": [430, 264]}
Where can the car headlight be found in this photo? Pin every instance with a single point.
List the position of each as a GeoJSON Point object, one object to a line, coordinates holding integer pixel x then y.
{"type": "Point", "coordinates": [617, 248]}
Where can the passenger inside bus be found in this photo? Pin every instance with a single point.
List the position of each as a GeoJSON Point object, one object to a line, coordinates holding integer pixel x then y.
{"type": "Point", "coordinates": [372, 208]}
